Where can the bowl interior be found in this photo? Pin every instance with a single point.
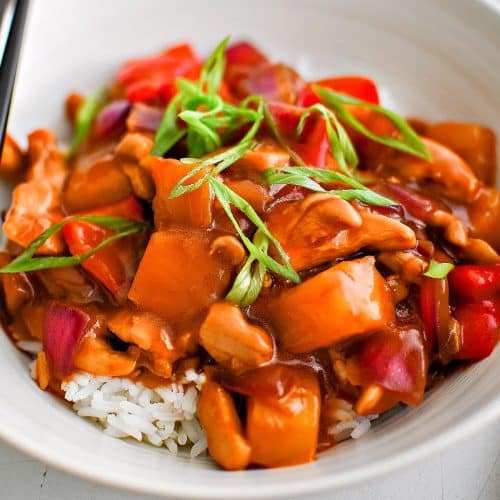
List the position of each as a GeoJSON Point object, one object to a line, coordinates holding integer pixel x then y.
{"type": "Point", "coordinates": [434, 59]}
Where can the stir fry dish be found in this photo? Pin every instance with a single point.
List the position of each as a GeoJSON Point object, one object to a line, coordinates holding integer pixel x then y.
{"type": "Point", "coordinates": [229, 257]}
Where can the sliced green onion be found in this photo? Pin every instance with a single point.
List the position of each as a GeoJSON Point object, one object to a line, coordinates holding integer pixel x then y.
{"type": "Point", "coordinates": [85, 116]}
{"type": "Point", "coordinates": [226, 198]}
{"type": "Point", "coordinates": [248, 284]}
{"type": "Point", "coordinates": [26, 262]}
{"type": "Point", "coordinates": [438, 270]}
{"type": "Point", "coordinates": [408, 142]}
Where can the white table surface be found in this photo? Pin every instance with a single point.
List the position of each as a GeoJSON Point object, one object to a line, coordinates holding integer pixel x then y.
{"type": "Point", "coordinates": [469, 470]}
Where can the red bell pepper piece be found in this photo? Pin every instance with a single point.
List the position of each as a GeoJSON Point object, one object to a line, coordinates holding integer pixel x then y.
{"type": "Point", "coordinates": [153, 79]}
{"type": "Point", "coordinates": [115, 264]}
{"type": "Point", "coordinates": [312, 146]}
{"type": "Point", "coordinates": [394, 360]}
{"type": "Point", "coordinates": [480, 323]}
{"type": "Point", "coordinates": [475, 282]}
{"type": "Point", "coordinates": [355, 86]}
{"type": "Point", "coordinates": [244, 54]}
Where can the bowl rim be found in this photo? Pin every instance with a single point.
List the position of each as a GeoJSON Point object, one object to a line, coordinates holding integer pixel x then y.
{"type": "Point", "coordinates": [112, 477]}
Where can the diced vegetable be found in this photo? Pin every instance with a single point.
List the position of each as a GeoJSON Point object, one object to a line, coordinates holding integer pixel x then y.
{"type": "Point", "coordinates": [178, 278]}
{"type": "Point", "coordinates": [226, 442]}
{"type": "Point", "coordinates": [357, 86]}
{"type": "Point", "coordinates": [191, 210]}
{"type": "Point", "coordinates": [393, 360]}
{"type": "Point", "coordinates": [64, 329]}
{"type": "Point", "coordinates": [312, 146]}
{"type": "Point", "coordinates": [152, 79]}
{"type": "Point", "coordinates": [114, 266]}
{"type": "Point", "coordinates": [111, 119]}
{"type": "Point", "coordinates": [480, 328]}
{"type": "Point", "coordinates": [283, 430]}
{"type": "Point", "coordinates": [275, 82]}
{"type": "Point", "coordinates": [475, 282]}
{"type": "Point", "coordinates": [348, 299]}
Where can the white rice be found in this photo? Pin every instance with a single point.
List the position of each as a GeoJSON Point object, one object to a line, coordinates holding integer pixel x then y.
{"type": "Point", "coordinates": [164, 416]}
{"type": "Point", "coordinates": [350, 424]}
{"type": "Point", "coordinates": [30, 346]}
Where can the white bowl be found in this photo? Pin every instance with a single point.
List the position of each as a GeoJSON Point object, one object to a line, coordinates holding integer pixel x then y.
{"type": "Point", "coordinates": [434, 58]}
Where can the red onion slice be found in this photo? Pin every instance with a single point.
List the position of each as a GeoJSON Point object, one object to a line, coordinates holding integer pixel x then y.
{"type": "Point", "coordinates": [111, 118]}
{"type": "Point", "coordinates": [64, 328]}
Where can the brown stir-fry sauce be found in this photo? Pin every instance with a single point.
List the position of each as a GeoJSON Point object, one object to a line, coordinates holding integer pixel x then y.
{"type": "Point", "coordinates": [351, 301]}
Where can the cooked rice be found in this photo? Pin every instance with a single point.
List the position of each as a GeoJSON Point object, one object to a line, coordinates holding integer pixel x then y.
{"type": "Point", "coordinates": [350, 424]}
{"type": "Point", "coordinates": [30, 346]}
{"type": "Point", "coordinates": [164, 416]}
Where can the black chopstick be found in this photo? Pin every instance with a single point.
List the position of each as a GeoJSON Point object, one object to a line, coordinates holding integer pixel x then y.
{"type": "Point", "coordinates": [9, 60]}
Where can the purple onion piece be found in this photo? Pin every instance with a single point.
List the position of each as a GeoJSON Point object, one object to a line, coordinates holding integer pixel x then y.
{"type": "Point", "coordinates": [111, 118]}
{"type": "Point", "coordinates": [64, 328]}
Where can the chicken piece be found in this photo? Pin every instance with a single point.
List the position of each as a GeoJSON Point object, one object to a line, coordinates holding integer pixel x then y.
{"type": "Point", "coordinates": [454, 230]}
{"type": "Point", "coordinates": [282, 429]}
{"type": "Point", "coordinates": [95, 356]}
{"type": "Point", "coordinates": [46, 162]}
{"type": "Point", "coordinates": [70, 283]}
{"type": "Point", "coordinates": [408, 265]}
{"type": "Point", "coordinates": [474, 143]}
{"type": "Point", "coordinates": [140, 180]}
{"type": "Point", "coordinates": [267, 154]}
{"type": "Point", "coordinates": [189, 210]}
{"type": "Point", "coordinates": [230, 248]}
{"type": "Point", "coordinates": [232, 341]}
{"type": "Point", "coordinates": [178, 278]}
{"type": "Point", "coordinates": [447, 170]}
{"type": "Point", "coordinates": [151, 334]}
{"type": "Point", "coordinates": [134, 146]}
{"type": "Point", "coordinates": [348, 299]}
{"type": "Point", "coordinates": [398, 287]}
{"type": "Point", "coordinates": [479, 251]}
{"type": "Point", "coordinates": [484, 214]}
{"type": "Point", "coordinates": [12, 160]}
{"type": "Point", "coordinates": [226, 442]}
{"type": "Point", "coordinates": [323, 227]}
{"type": "Point", "coordinates": [17, 287]}
{"type": "Point", "coordinates": [35, 207]}
{"type": "Point", "coordinates": [100, 183]}
{"type": "Point", "coordinates": [255, 194]}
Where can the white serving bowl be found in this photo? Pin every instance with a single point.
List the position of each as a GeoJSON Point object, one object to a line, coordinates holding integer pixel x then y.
{"type": "Point", "coordinates": [437, 59]}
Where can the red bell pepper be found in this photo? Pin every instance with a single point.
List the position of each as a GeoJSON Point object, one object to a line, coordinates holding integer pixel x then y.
{"type": "Point", "coordinates": [115, 264]}
{"type": "Point", "coordinates": [244, 54]}
{"type": "Point", "coordinates": [312, 146]}
{"type": "Point", "coordinates": [153, 79]}
{"type": "Point", "coordinates": [394, 360]}
{"type": "Point", "coordinates": [475, 282]}
{"type": "Point", "coordinates": [355, 86]}
{"type": "Point", "coordinates": [480, 322]}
